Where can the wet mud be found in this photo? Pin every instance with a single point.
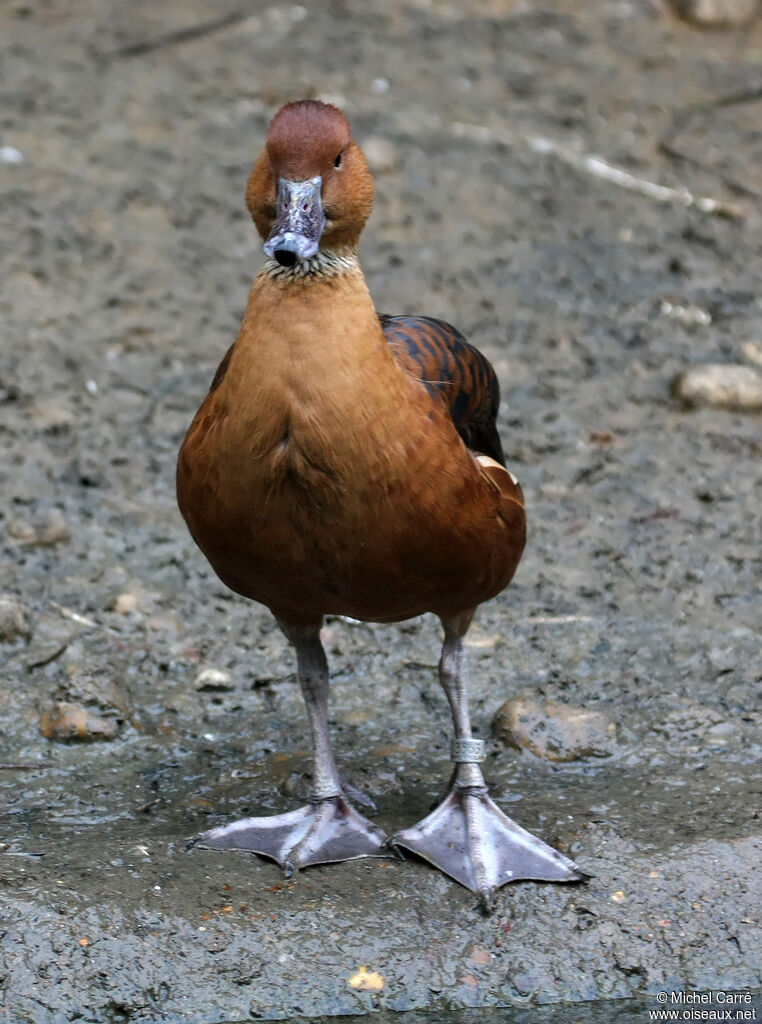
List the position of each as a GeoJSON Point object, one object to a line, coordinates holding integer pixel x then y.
{"type": "Point", "coordinates": [126, 135]}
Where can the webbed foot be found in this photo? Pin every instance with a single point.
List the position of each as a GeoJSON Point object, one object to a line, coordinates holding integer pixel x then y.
{"type": "Point", "coordinates": [470, 839]}
{"type": "Point", "coordinates": [322, 832]}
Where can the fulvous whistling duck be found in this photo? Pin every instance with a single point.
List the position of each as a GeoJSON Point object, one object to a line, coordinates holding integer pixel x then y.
{"type": "Point", "coordinates": [349, 464]}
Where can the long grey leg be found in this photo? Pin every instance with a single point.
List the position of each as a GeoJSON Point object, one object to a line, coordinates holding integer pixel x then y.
{"type": "Point", "coordinates": [453, 675]}
{"type": "Point", "coordinates": [312, 668]}
{"type": "Point", "coordinates": [329, 828]}
{"type": "Point", "coordinates": [467, 836]}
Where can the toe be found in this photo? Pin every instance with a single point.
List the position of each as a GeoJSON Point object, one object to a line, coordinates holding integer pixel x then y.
{"type": "Point", "coordinates": [487, 899]}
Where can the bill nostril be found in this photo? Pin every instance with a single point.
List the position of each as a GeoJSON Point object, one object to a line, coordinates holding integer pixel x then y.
{"type": "Point", "coordinates": [285, 257]}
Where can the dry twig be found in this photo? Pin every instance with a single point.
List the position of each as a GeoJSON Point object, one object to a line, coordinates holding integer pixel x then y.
{"type": "Point", "coordinates": [589, 163]}
{"type": "Point", "coordinates": [180, 35]}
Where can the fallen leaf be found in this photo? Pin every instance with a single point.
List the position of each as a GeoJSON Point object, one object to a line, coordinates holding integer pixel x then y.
{"type": "Point", "coordinates": [602, 437]}
{"type": "Point", "coordinates": [367, 981]}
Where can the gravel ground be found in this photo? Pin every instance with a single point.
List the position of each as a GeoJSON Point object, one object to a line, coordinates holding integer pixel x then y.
{"type": "Point", "coordinates": [126, 135]}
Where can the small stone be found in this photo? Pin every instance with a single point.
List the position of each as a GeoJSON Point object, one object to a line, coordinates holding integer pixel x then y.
{"type": "Point", "coordinates": [719, 735]}
{"type": "Point", "coordinates": [52, 417]}
{"type": "Point", "coordinates": [715, 13]}
{"type": "Point", "coordinates": [720, 386]}
{"type": "Point", "coordinates": [70, 723]}
{"type": "Point", "coordinates": [753, 351]}
{"type": "Point", "coordinates": [11, 155]}
{"type": "Point", "coordinates": [52, 635]}
{"type": "Point", "coordinates": [50, 529]}
{"type": "Point", "coordinates": [13, 620]}
{"type": "Point", "coordinates": [381, 155]}
{"type": "Point", "coordinates": [722, 659]}
{"type": "Point", "coordinates": [96, 688]}
{"type": "Point", "coordinates": [478, 640]}
{"type": "Point", "coordinates": [213, 679]}
{"type": "Point", "coordinates": [22, 531]}
{"type": "Point", "coordinates": [689, 316]}
{"type": "Point", "coordinates": [53, 528]}
{"type": "Point", "coordinates": [126, 603]}
{"type": "Point", "coordinates": [136, 598]}
{"type": "Point", "coordinates": [553, 730]}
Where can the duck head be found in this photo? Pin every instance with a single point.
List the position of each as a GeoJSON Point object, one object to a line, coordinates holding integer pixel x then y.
{"type": "Point", "coordinates": [311, 188]}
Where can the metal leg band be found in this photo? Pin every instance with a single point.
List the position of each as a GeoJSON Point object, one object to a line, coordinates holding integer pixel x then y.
{"type": "Point", "coordinates": [468, 751]}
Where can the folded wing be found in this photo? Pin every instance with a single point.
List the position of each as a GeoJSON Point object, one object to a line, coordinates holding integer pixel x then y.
{"type": "Point", "coordinates": [447, 365]}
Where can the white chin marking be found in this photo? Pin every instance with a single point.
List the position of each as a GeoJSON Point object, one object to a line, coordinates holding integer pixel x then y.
{"type": "Point", "coordinates": [324, 264]}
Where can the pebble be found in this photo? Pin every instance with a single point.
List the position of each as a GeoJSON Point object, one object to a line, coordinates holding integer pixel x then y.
{"type": "Point", "coordinates": [720, 735]}
{"type": "Point", "coordinates": [720, 386]}
{"type": "Point", "coordinates": [753, 351]}
{"type": "Point", "coordinates": [51, 416]}
{"type": "Point", "coordinates": [553, 730]}
{"type": "Point", "coordinates": [53, 529]}
{"type": "Point", "coordinates": [71, 723]}
{"type": "Point", "coordinates": [690, 316]}
{"type": "Point", "coordinates": [52, 635]}
{"type": "Point", "coordinates": [715, 13]}
{"type": "Point", "coordinates": [50, 529]}
{"type": "Point", "coordinates": [136, 598]}
{"type": "Point", "coordinates": [722, 659]}
{"type": "Point", "coordinates": [22, 531]}
{"type": "Point", "coordinates": [13, 619]}
{"type": "Point", "coordinates": [126, 603]}
{"type": "Point", "coordinates": [11, 155]}
{"type": "Point", "coordinates": [88, 685]}
{"type": "Point", "coordinates": [381, 155]}
{"type": "Point", "coordinates": [213, 679]}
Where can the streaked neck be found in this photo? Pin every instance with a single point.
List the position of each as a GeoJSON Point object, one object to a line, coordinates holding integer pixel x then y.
{"type": "Point", "coordinates": [325, 264]}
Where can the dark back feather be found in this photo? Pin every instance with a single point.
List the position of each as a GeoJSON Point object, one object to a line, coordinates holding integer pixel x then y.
{"type": "Point", "coordinates": [448, 366]}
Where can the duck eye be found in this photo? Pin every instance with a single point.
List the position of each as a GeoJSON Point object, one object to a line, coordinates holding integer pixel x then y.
{"type": "Point", "coordinates": [337, 161]}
